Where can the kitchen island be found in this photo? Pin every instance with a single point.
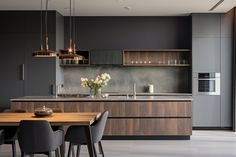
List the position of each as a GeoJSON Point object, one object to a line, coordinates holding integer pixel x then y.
{"type": "Point", "coordinates": [143, 117]}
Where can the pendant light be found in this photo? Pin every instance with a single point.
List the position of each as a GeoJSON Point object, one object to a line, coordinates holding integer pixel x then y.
{"type": "Point", "coordinates": [72, 45]}
{"type": "Point", "coordinates": [44, 51]}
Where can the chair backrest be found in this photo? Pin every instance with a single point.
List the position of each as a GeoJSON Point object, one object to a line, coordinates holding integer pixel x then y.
{"type": "Point", "coordinates": [35, 136]}
{"type": "Point", "coordinates": [1, 136]}
{"type": "Point", "coordinates": [98, 127]}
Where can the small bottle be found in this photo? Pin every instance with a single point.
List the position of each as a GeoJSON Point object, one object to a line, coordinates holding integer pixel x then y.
{"type": "Point", "coordinates": [151, 88]}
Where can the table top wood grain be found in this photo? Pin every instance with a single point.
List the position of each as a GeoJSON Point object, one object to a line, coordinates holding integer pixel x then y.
{"type": "Point", "coordinates": [85, 118]}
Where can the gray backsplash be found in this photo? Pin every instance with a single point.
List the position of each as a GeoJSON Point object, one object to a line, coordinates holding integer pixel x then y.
{"type": "Point", "coordinates": [165, 79]}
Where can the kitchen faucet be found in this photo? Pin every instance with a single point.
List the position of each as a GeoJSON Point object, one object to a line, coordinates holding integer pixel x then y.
{"type": "Point", "coordinates": [134, 90]}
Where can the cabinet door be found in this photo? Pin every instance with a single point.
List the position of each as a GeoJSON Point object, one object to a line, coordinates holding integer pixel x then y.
{"type": "Point", "coordinates": [206, 54]}
{"type": "Point", "coordinates": [41, 72]}
{"type": "Point", "coordinates": [11, 67]}
{"type": "Point", "coordinates": [106, 57]}
{"type": "Point", "coordinates": [206, 111]}
{"type": "Point", "coordinates": [226, 82]}
{"type": "Point", "coordinates": [206, 25]}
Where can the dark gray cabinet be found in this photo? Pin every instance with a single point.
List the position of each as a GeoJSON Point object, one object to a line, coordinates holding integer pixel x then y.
{"type": "Point", "coordinates": [226, 69]}
{"type": "Point", "coordinates": [206, 54]}
{"type": "Point", "coordinates": [212, 52]}
{"type": "Point", "coordinates": [206, 25]}
{"type": "Point", "coordinates": [206, 111]}
{"type": "Point", "coordinates": [206, 31]}
{"type": "Point", "coordinates": [100, 57]}
{"type": "Point", "coordinates": [23, 74]}
{"type": "Point", "coordinates": [11, 67]}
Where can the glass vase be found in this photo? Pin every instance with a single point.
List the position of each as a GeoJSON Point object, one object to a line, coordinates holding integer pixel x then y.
{"type": "Point", "coordinates": [95, 92]}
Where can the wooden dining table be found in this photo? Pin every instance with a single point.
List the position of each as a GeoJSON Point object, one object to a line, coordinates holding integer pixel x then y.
{"type": "Point", "coordinates": [85, 119]}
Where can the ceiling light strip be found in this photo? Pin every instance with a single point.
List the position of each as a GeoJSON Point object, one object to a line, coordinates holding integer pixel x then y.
{"type": "Point", "coordinates": [216, 5]}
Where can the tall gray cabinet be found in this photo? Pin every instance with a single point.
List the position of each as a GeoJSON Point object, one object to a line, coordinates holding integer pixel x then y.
{"type": "Point", "coordinates": [21, 74]}
{"type": "Point", "coordinates": [212, 52]}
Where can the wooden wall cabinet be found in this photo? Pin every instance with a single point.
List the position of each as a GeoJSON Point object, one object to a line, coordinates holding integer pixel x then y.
{"type": "Point", "coordinates": [131, 118]}
{"type": "Point", "coordinates": [157, 57]}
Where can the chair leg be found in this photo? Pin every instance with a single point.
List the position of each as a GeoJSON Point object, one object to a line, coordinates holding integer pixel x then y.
{"type": "Point", "coordinates": [49, 154]}
{"type": "Point", "coordinates": [14, 149]}
{"type": "Point", "coordinates": [62, 150]}
{"type": "Point", "coordinates": [94, 149]}
{"type": "Point", "coordinates": [69, 150]}
{"type": "Point", "coordinates": [78, 150]}
{"type": "Point", "coordinates": [73, 151]}
{"type": "Point", "coordinates": [22, 154]}
{"type": "Point", "coordinates": [100, 148]}
{"type": "Point", "coordinates": [57, 152]}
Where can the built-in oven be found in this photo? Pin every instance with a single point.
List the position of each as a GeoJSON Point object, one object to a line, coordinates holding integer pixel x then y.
{"type": "Point", "coordinates": [206, 83]}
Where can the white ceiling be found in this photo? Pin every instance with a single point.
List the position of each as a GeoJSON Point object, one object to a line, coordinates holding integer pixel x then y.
{"type": "Point", "coordinates": [119, 7]}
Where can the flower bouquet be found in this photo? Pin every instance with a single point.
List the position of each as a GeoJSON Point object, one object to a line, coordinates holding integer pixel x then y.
{"type": "Point", "coordinates": [95, 85]}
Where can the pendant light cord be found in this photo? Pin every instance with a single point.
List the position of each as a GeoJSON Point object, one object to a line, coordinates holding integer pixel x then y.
{"type": "Point", "coordinates": [74, 26]}
{"type": "Point", "coordinates": [46, 19]}
{"type": "Point", "coordinates": [70, 26]}
{"type": "Point", "coordinates": [41, 26]}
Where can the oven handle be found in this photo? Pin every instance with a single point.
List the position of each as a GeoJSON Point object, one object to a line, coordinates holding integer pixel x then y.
{"type": "Point", "coordinates": [208, 79]}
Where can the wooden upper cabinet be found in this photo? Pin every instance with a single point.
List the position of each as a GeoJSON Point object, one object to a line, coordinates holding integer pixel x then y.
{"type": "Point", "coordinates": [157, 57]}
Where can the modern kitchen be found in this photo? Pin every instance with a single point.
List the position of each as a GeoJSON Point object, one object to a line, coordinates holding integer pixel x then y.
{"type": "Point", "coordinates": [119, 78]}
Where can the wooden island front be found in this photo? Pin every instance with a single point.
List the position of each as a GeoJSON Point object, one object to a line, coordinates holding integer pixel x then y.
{"type": "Point", "coordinates": [128, 118]}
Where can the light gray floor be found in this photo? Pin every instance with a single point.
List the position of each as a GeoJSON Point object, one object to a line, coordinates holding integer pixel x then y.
{"type": "Point", "coordinates": [202, 144]}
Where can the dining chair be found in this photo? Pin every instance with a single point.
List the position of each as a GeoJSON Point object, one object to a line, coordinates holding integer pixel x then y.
{"type": "Point", "coordinates": [1, 136]}
{"type": "Point", "coordinates": [10, 132]}
{"type": "Point", "coordinates": [59, 127]}
{"type": "Point", "coordinates": [75, 135]}
{"type": "Point", "coordinates": [37, 137]}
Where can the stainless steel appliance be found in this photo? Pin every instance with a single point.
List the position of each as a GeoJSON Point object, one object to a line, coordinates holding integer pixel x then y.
{"type": "Point", "coordinates": [206, 83]}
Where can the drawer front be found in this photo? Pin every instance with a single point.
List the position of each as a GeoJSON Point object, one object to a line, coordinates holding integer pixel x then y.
{"type": "Point", "coordinates": [117, 109]}
{"type": "Point", "coordinates": [149, 127]}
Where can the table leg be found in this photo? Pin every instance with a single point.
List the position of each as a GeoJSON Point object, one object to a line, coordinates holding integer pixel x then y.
{"type": "Point", "coordinates": [89, 140]}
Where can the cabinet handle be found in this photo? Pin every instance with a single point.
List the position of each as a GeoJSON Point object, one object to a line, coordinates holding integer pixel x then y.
{"type": "Point", "coordinates": [23, 72]}
{"type": "Point", "coordinates": [52, 89]}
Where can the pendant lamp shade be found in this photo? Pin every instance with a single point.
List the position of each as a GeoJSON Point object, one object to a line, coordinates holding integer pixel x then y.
{"type": "Point", "coordinates": [44, 50]}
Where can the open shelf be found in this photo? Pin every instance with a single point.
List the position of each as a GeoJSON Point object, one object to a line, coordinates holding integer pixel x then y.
{"type": "Point", "coordinates": [161, 65]}
{"type": "Point", "coordinates": [157, 57]}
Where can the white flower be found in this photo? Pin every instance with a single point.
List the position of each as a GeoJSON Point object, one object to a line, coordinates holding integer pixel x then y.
{"type": "Point", "coordinates": [99, 82]}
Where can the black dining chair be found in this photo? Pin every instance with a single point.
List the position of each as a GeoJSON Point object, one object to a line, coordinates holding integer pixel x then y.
{"type": "Point", "coordinates": [75, 135]}
{"type": "Point", "coordinates": [10, 132]}
{"type": "Point", "coordinates": [1, 136]}
{"type": "Point", "coordinates": [37, 137]}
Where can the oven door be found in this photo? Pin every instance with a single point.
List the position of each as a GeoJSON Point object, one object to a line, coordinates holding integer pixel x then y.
{"type": "Point", "coordinates": [210, 86]}
{"type": "Point", "coordinates": [206, 85]}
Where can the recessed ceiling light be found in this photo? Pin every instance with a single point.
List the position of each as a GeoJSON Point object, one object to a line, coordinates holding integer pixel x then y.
{"type": "Point", "coordinates": [120, 1]}
{"type": "Point", "coordinates": [127, 7]}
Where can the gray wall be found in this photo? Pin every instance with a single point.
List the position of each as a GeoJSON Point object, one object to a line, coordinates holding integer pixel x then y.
{"type": "Point", "coordinates": [165, 79]}
{"type": "Point", "coordinates": [132, 32]}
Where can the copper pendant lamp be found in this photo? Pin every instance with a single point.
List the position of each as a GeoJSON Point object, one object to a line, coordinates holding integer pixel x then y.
{"type": "Point", "coordinates": [44, 51]}
{"type": "Point", "coordinates": [72, 45]}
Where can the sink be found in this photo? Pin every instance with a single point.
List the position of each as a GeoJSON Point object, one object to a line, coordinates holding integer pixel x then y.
{"type": "Point", "coordinates": [72, 95]}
